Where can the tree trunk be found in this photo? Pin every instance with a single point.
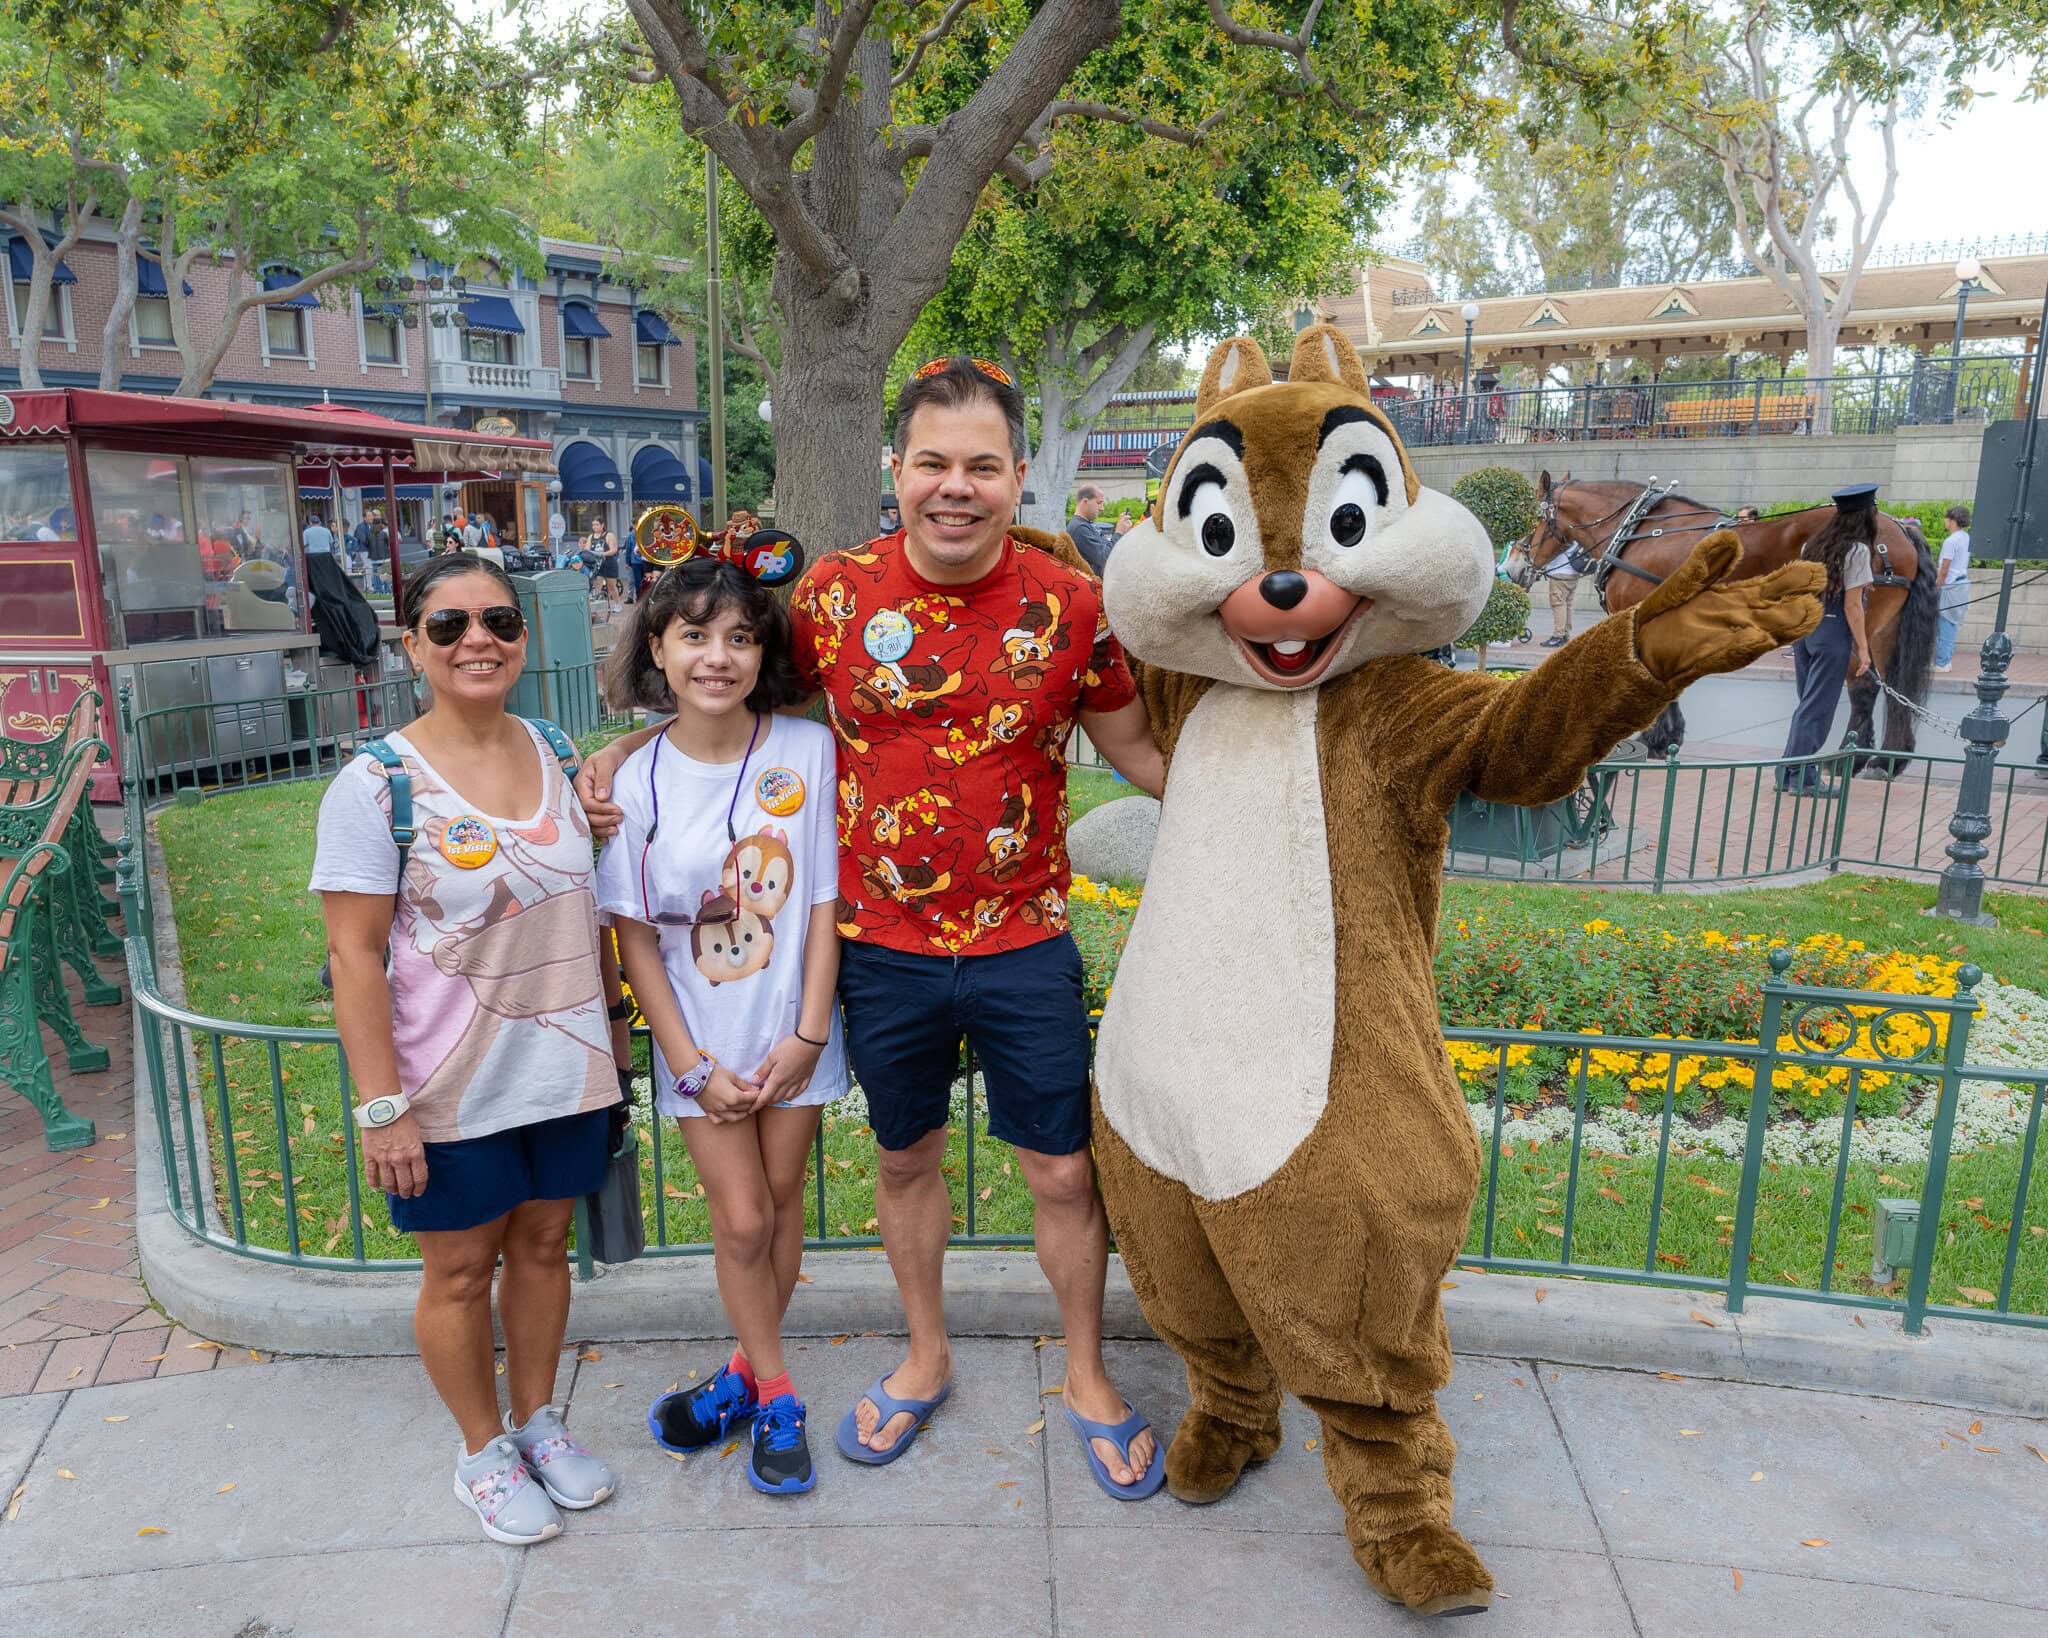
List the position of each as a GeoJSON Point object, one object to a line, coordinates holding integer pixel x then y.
{"type": "Point", "coordinates": [113, 334]}
{"type": "Point", "coordinates": [829, 476]}
{"type": "Point", "coordinates": [1067, 418]}
{"type": "Point", "coordinates": [1053, 467]}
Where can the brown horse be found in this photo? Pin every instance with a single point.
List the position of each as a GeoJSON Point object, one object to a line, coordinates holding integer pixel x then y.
{"type": "Point", "coordinates": [1629, 537]}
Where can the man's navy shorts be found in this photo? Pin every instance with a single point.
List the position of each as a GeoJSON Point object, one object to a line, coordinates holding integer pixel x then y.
{"type": "Point", "coordinates": [1022, 1011]}
{"type": "Point", "coordinates": [473, 1181]}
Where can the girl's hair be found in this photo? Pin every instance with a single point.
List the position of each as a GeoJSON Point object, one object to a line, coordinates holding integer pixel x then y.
{"type": "Point", "coordinates": [697, 590]}
{"type": "Point", "coordinates": [446, 567]}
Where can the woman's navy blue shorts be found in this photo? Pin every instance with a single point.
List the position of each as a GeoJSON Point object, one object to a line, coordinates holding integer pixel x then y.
{"type": "Point", "coordinates": [1022, 1011]}
{"type": "Point", "coordinates": [473, 1181]}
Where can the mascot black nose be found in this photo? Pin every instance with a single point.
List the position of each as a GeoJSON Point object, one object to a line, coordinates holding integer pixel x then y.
{"type": "Point", "coordinates": [1283, 588]}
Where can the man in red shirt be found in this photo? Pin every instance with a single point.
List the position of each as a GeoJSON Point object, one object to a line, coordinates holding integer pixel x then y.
{"type": "Point", "coordinates": [955, 661]}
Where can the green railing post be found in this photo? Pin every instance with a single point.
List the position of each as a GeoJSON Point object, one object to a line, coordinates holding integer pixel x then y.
{"type": "Point", "coordinates": [1848, 773]}
{"type": "Point", "coordinates": [1753, 1141]}
{"type": "Point", "coordinates": [1952, 1060]}
{"type": "Point", "coordinates": [1664, 819]}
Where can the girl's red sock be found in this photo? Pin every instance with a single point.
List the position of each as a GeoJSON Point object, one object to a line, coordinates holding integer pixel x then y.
{"type": "Point", "coordinates": [771, 1388]}
{"type": "Point", "coordinates": [740, 1368]}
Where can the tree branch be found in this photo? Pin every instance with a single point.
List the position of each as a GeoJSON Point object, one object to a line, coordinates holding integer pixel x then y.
{"type": "Point", "coordinates": [1186, 137]}
{"type": "Point", "coordinates": [929, 38]}
{"type": "Point", "coordinates": [853, 23]}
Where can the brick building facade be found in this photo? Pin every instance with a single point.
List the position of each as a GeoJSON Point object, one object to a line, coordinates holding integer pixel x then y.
{"type": "Point", "coordinates": [571, 356]}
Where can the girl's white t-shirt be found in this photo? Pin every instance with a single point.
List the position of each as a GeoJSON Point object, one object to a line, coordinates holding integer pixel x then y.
{"type": "Point", "coordinates": [497, 1010]}
{"type": "Point", "coordinates": [738, 982]}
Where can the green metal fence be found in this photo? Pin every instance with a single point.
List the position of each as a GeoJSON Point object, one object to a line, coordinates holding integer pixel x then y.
{"type": "Point", "coordinates": [253, 1126]}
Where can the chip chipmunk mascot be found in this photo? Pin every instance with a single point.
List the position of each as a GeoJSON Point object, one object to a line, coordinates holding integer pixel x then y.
{"type": "Point", "coordinates": [1288, 1162]}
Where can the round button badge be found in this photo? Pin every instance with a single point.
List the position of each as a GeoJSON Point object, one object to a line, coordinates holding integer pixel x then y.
{"type": "Point", "coordinates": [469, 842]}
{"type": "Point", "coordinates": [888, 635]}
{"type": "Point", "coordinates": [779, 791]}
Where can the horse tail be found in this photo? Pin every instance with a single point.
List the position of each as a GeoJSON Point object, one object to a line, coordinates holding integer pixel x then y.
{"type": "Point", "coordinates": [1913, 653]}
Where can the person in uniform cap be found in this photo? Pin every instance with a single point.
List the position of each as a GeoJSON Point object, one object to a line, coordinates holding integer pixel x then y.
{"type": "Point", "coordinates": [1839, 647]}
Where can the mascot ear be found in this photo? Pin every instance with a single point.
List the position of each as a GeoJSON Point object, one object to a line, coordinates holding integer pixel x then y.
{"type": "Point", "coordinates": [1322, 354]}
{"type": "Point", "coordinates": [1236, 366]}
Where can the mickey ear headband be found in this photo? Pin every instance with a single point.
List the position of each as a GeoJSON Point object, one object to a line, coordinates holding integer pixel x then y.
{"type": "Point", "coordinates": [668, 535]}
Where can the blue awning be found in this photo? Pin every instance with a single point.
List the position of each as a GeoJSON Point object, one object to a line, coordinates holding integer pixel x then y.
{"type": "Point", "coordinates": [149, 277]}
{"type": "Point", "coordinates": [385, 309]}
{"type": "Point", "coordinates": [653, 330]}
{"type": "Point", "coordinates": [578, 320]}
{"type": "Point", "coordinates": [21, 262]}
{"type": "Point", "coordinates": [589, 474]}
{"type": "Point", "coordinates": [283, 278]}
{"type": "Point", "coordinates": [374, 491]}
{"type": "Point", "coordinates": [704, 478]}
{"type": "Point", "coordinates": [659, 476]}
{"type": "Point", "coordinates": [492, 313]}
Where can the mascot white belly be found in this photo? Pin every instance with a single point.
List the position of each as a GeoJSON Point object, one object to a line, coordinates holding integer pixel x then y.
{"type": "Point", "coordinates": [1213, 1060]}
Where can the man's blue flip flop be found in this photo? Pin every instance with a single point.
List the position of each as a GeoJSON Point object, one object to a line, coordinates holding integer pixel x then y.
{"type": "Point", "coordinates": [1119, 1434]}
{"type": "Point", "coordinates": [848, 1438]}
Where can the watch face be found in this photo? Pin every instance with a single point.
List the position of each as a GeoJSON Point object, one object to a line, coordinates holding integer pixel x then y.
{"type": "Point", "coordinates": [381, 1112]}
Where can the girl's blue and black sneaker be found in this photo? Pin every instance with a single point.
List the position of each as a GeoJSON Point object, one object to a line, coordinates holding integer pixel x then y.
{"type": "Point", "coordinates": [781, 1463]}
{"type": "Point", "coordinates": [691, 1418]}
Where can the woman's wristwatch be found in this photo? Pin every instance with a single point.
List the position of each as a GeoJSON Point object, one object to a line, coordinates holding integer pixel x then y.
{"type": "Point", "coordinates": [691, 1083]}
{"type": "Point", "coordinates": [382, 1111]}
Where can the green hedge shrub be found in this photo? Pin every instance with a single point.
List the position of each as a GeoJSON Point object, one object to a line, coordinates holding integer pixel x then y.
{"type": "Point", "coordinates": [1501, 499]}
{"type": "Point", "coordinates": [1505, 617]}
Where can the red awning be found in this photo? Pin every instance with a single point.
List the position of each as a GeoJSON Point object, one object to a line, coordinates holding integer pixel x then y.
{"type": "Point", "coordinates": [316, 430]}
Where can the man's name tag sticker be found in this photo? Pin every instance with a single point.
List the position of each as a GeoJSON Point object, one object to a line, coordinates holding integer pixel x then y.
{"type": "Point", "coordinates": [779, 791]}
{"type": "Point", "coordinates": [888, 635]}
{"type": "Point", "coordinates": [469, 842]}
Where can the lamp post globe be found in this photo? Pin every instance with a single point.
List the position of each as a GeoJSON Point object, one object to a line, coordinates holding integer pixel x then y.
{"type": "Point", "coordinates": [765, 409]}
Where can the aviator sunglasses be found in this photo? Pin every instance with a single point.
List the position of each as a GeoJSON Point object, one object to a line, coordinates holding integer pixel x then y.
{"type": "Point", "coordinates": [445, 628]}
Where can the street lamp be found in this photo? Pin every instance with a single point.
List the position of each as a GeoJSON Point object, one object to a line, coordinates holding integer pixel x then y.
{"type": "Point", "coordinates": [1961, 893]}
{"type": "Point", "coordinates": [1470, 314]}
{"type": "Point", "coordinates": [765, 409]}
{"type": "Point", "coordinates": [439, 304]}
{"type": "Point", "coordinates": [1967, 272]}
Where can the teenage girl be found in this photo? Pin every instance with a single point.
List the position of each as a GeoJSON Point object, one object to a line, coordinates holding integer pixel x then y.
{"type": "Point", "coordinates": [721, 884]}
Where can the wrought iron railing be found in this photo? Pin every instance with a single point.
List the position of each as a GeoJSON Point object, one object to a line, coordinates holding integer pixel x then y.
{"type": "Point", "coordinates": [260, 1157]}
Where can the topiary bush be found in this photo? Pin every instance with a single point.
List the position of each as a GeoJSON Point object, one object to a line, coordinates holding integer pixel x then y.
{"type": "Point", "coordinates": [1505, 617]}
{"type": "Point", "coordinates": [1501, 499]}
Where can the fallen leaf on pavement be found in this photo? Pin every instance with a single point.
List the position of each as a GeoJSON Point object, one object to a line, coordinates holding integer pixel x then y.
{"type": "Point", "coordinates": [1703, 1320]}
{"type": "Point", "coordinates": [609, 1385]}
{"type": "Point", "coordinates": [113, 1418]}
{"type": "Point", "coordinates": [1044, 1391]}
{"type": "Point", "coordinates": [1541, 1293]}
{"type": "Point", "coordinates": [73, 1372]}
{"type": "Point", "coordinates": [1308, 1444]}
{"type": "Point", "coordinates": [1448, 1285]}
{"type": "Point", "coordinates": [729, 1449]}
{"type": "Point", "coordinates": [224, 1489]}
{"type": "Point", "coordinates": [673, 1455]}
{"type": "Point", "coordinates": [66, 1473]}
{"type": "Point", "coordinates": [202, 1344]}
{"type": "Point", "coordinates": [1036, 1427]}
{"type": "Point", "coordinates": [1977, 1426]}
{"type": "Point", "coordinates": [152, 1530]}
{"type": "Point", "coordinates": [153, 1358]}
{"type": "Point", "coordinates": [590, 1354]}
{"type": "Point", "coordinates": [1858, 1318]}
{"type": "Point", "coordinates": [1814, 1541]}
{"type": "Point", "coordinates": [14, 1503]}
{"type": "Point", "coordinates": [1738, 1579]}
{"type": "Point", "coordinates": [1671, 1376]}
{"type": "Point", "coordinates": [1007, 1484]}
{"type": "Point", "coordinates": [501, 1367]}
{"type": "Point", "coordinates": [835, 1341]}
{"type": "Point", "coordinates": [1755, 1477]}
{"type": "Point", "coordinates": [1688, 1433]}
{"type": "Point", "coordinates": [101, 1204]}
{"type": "Point", "coordinates": [1989, 1450]}
{"type": "Point", "coordinates": [803, 1279]}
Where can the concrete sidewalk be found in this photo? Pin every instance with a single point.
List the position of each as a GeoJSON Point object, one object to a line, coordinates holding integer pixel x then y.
{"type": "Point", "coordinates": [312, 1497]}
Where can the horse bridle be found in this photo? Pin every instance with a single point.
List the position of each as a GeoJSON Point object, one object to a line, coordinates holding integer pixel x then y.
{"type": "Point", "coordinates": [1627, 532]}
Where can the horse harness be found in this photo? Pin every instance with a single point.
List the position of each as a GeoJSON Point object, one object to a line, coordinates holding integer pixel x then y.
{"type": "Point", "coordinates": [1629, 530]}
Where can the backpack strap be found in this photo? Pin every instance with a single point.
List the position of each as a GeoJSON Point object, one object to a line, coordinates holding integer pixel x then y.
{"type": "Point", "coordinates": [402, 831]}
{"type": "Point", "coordinates": [559, 743]}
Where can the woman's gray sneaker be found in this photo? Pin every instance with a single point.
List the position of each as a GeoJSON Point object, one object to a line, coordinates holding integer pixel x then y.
{"type": "Point", "coordinates": [496, 1486]}
{"type": "Point", "coordinates": [568, 1472]}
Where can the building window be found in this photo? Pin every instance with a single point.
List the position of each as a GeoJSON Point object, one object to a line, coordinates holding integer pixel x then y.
{"type": "Point", "coordinates": [153, 321]}
{"type": "Point", "coordinates": [53, 315]}
{"type": "Point", "coordinates": [486, 347]}
{"type": "Point", "coordinates": [380, 339]}
{"type": "Point", "coordinates": [579, 358]}
{"type": "Point", "coordinates": [284, 331]}
{"type": "Point", "coordinates": [648, 363]}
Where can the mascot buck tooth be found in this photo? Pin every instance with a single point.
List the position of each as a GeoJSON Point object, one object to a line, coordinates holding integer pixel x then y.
{"type": "Point", "coordinates": [1287, 1159]}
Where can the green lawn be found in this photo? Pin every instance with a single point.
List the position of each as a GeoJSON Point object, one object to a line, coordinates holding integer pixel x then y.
{"type": "Point", "coordinates": [252, 945]}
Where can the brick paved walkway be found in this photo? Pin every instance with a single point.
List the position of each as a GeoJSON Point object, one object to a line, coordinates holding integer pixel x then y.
{"type": "Point", "coordinates": [73, 1311]}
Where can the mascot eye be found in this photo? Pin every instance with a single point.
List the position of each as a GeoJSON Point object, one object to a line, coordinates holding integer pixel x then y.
{"type": "Point", "coordinates": [1351, 507]}
{"type": "Point", "coordinates": [1219, 534]}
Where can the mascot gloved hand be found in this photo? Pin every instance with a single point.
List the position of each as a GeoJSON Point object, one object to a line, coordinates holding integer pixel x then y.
{"type": "Point", "coordinates": [1287, 1159]}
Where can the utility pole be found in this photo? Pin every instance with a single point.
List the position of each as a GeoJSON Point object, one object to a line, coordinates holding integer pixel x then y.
{"type": "Point", "coordinates": [716, 318]}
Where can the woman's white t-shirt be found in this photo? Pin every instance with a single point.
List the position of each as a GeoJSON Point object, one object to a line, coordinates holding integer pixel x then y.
{"type": "Point", "coordinates": [497, 1009]}
{"type": "Point", "coordinates": [737, 982]}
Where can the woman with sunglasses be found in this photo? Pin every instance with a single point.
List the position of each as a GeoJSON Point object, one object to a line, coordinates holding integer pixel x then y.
{"type": "Point", "coordinates": [479, 1048]}
{"type": "Point", "coordinates": [721, 885]}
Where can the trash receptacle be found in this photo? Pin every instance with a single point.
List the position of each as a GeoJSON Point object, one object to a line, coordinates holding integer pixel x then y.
{"type": "Point", "coordinates": [560, 679]}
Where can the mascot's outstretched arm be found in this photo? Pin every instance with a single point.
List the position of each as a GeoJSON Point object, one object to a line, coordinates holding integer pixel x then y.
{"type": "Point", "coordinates": [1530, 740]}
